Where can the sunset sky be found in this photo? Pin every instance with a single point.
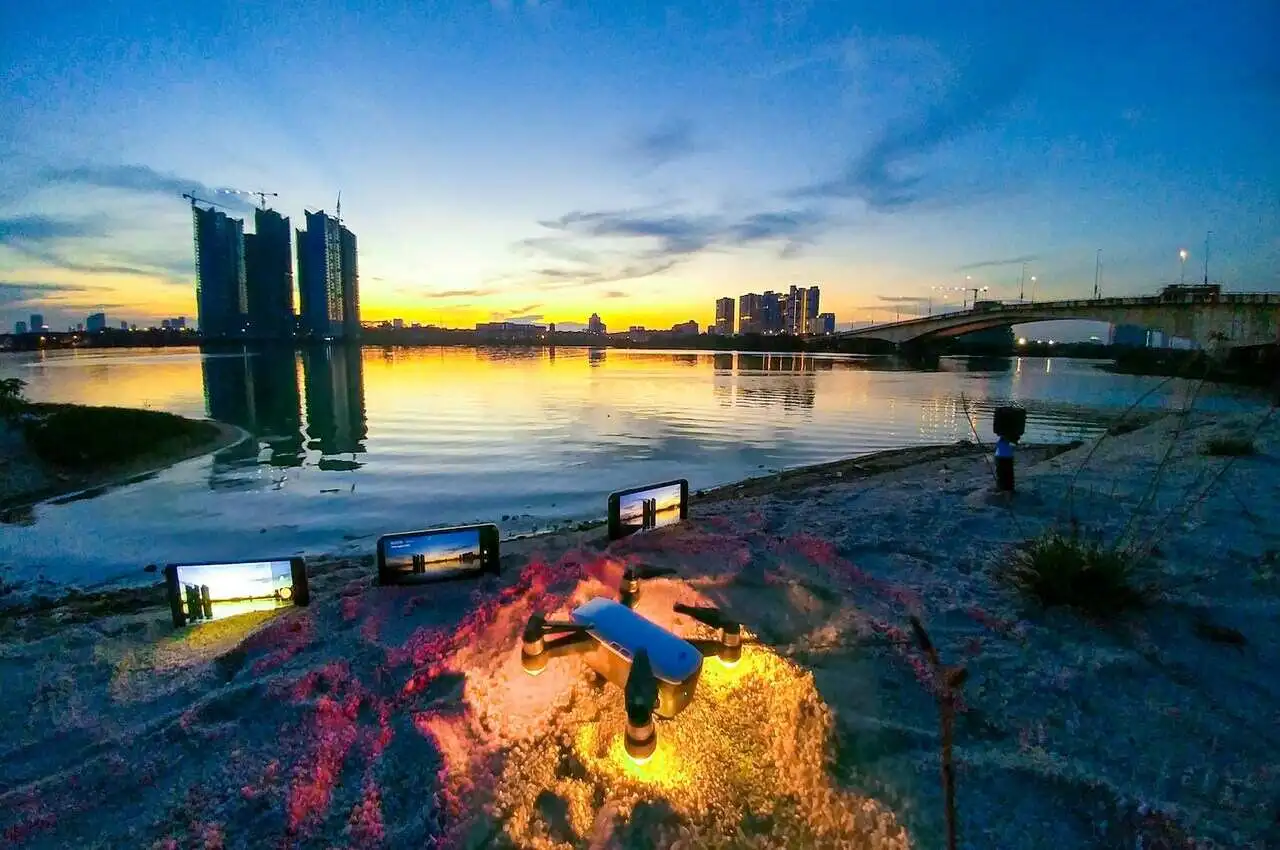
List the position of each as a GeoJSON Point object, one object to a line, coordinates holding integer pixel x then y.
{"type": "Point", "coordinates": [523, 159]}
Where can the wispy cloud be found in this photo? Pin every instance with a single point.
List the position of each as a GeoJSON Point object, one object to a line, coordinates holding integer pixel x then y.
{"type": "Point", "coordinates": [904, 299]}
{"type": "Point", "coordinates": [527, 319]}
{"type": "Point", "coordinates": [451, 293]}
{"type": "Point", "coordinates": [665, 143]}
{"type": "Point", "coordinates": [615, 293]}
{"type": "Point", "coordinates": [22, 293]}
{"type": "Point", "coordinates": [29, 230]}
{"type": "Point", "coordinates": [1007, 261]}
{"type": "Point", "coordinates": [888, 175]}
{"type": "Point", "coordinates": [142, 179]}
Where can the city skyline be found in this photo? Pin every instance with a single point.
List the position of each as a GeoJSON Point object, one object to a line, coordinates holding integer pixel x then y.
{"type": "Point", "coordinates": [902, 149]}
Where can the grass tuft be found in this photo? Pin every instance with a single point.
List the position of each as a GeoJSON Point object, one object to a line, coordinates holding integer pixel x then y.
{"type": "Point", "coordinates": [1230, 447]}
{"type": "Point", "coordinates": [1060, 570]}
{"type": "Point", "coordinates": [88, 438]}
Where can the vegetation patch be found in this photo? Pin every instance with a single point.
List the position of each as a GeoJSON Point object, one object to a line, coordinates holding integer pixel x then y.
{"type": "Point", "coordinates": [88, 438]}
{"type": "Point", "coordinates": [1065, 570]}
{"type": "Point", "coordinates": [1230, 447]}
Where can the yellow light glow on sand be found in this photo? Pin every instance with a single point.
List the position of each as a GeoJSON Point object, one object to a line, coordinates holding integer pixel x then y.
{"type": "Point", "coordinates": [752, 747]}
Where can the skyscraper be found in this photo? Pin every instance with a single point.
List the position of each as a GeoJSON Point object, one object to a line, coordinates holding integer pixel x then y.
{"type": "Point", "coordinates": [37, 322]}
{"type": "Point", "coordinates": [749, 313]}
{"type": "Point", "coordinates": [724, 316]}
{"type": "Point", "coordinates": [350, 282]}
{"type": "Point", "coordinates": [320, 277]}
{"type": "Point", "coordinates": [269, 274]}
{"type": "Point", "coordinates": [19, 327]}
{"type": "Point", "coordinates": [221, 298]}
{"type": "Point", "coordinates": [771, 312]}
{"type": "Point", "coordinates": [810, 323]}
{"type": "Point", "coordinates": [595, 325]}
{"type": "Point", "coordinates": [96, 322]}
{"type": "Point", "coordinates": [825, 323]}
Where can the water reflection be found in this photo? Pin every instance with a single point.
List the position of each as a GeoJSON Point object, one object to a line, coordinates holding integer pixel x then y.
{"type": "Point", "coordinates": [763, 380]}
{"type": "Point", "coordinates": [260, 391]}
{"type": "Point", "coordinates": [336, 423]}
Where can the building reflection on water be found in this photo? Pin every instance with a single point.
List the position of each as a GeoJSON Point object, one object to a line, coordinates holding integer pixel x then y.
{"type": "Point", "coordinates": [261, 390]}
{"type": "Point", "coordinates": [788, 381]}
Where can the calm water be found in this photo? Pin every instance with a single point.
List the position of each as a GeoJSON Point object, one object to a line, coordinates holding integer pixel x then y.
{"type": "Point", "coordinates": [350, 444]}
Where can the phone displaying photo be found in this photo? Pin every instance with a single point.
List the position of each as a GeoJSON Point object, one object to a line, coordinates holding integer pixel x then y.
{"type": "Point", "coordinates": [647, 508]}
{"type": "Point", "coordinates": [199, 593]}
{"type": "Point", "coordinates": [437, 554]}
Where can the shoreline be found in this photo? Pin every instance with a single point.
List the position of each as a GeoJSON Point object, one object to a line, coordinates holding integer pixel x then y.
{"type": "Point", "coordinates": [72, 485]}
{"type": "Point", "coordinates": [137, 597]}
{"type": "Point", "coordinates": [321, 724]}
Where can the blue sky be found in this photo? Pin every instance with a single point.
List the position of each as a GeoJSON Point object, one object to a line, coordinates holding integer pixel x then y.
{"type": "Point", "coordinates": [550, 159]}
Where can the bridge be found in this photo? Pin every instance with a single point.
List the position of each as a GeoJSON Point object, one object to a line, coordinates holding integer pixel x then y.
{"type": "Point", "coordinates": [1225, 320]}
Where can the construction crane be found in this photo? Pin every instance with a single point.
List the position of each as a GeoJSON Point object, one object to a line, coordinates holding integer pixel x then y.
{"type": "Point", "coordinates": [262, 197]}
{"type": "Point", "coordinates": [194, 200]}
{"type": "Point", "coordinates": [338, 212]}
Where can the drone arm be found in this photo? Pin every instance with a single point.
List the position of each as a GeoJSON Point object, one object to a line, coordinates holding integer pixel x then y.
{"type": "Point", "coordinates": [535, 654]}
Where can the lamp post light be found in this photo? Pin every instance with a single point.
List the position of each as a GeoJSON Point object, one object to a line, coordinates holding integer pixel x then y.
{"type": "Point", "coordinates": [1182, 266]}
{"type": "Point", "coordinates": [1033, 289]}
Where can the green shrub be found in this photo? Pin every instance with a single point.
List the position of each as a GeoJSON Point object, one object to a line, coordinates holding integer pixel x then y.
{"type": "Point", "coordinates": [11, 401]}
{"type": "Point", "coordinates": [1057, 569]}
{"type": "Point", "coordinates": [1230, 447]}
{"type": "Point", "coordinates": [89, 437]}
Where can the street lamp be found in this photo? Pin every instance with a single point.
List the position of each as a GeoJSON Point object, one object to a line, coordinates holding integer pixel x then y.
{"type": "Point", "coordinates": [1033, 289]}
{"type": "Point", "coordinates": [1182, 266]}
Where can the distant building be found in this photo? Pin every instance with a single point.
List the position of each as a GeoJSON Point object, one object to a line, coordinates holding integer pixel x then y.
{"type": "Point", "coordinates": [551, 328]}
{"type": "Point", "coordinates": [749, 313]}
{"type": "Point", "coordinates": [810, 320]}
{"type": "Point", "coordinates": [724, 316]}
{"type": "Point", "coordinates": [37, 323]}
{"type": "Point", "coordinates": [1129, 336]}
{"type": "Point", "coordinates": [221, 297]}
{"type": "Point", "coordinates": [350, 282]}
{"type": "Point", "coordinates": [689, 328]}
{"type": "Point", "coordinates": [96, 322]}
{"type": "Point", "coordinates": [79, 328]}
{"type": "Point", "coordinates": [595, 325]}
{"type": "Point", "coordinates": [320, 277]}
{"type": "Point", "coordinates": [397, 324]}
{"type": "Point", "coordinates": [19, 327]}
{"type": "Point", "coordinates": [825, 323]}
{"type": "Point", "coordinates": [508, 331]}
{"type": "Point", "coordinates": [637, 333]}
{"type": "Point", "coordinates": [268, 256]}
{"type": "Point", "coordinates": [124, 326]}
{"type": "Point", "coordinates": [771, 313]}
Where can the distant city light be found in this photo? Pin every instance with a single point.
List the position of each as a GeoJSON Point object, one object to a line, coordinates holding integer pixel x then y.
{"type": "Point", "coordinates": [1022, 340]}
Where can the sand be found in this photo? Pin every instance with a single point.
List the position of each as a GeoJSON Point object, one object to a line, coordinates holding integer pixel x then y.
{"type": "Point", "coordinates": [401, 717]}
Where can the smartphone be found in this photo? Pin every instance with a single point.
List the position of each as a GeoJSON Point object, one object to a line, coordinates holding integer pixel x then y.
{"type": "Point", "coordinates": [647, 508]}
{"type": "Point", "coordinates": [199, 593]}
{"type": "Point", "coordinates": [414, 557]}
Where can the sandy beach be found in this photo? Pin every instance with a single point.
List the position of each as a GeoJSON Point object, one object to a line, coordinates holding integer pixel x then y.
{"type": "Point", "coordinates": [401, 717]}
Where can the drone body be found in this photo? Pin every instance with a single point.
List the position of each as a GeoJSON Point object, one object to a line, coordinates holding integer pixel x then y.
{"type": "Point", "coordinates": [656, 669]}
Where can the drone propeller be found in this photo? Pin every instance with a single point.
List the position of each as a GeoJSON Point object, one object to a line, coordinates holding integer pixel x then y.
{"type": "Point", "coordinates": [730, 644]}
{"type": "Point", "coordinates": [538, 628]}
{"type": "Point", "coordinates": [709, 616]}
{"type": "Point", "coordinates": [641, 698]}
{"type": "Point", "coordinates": [631, 578]}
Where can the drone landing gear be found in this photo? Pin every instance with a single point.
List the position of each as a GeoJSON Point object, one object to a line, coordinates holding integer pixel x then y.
{"type": "Point", "coordinates": [641, 696]}
{"type": "Point", "coordinates": [538, 646]}
{"type": "Point", "coordinates": [728, 645]}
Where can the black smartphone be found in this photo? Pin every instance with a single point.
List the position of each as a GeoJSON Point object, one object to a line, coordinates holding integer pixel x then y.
{"type": "Point", "coordinates": [413, 557]}
{"type": "Point", "coordinates": [647, 508]}
{"type": "Point", "coordinates": [208, 591]}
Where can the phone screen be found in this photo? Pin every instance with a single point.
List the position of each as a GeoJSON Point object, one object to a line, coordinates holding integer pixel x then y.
{"type": "Point", "coordinates": [204, 592]}
{"type": "Point", "coordinates": [647, 509]}
{"type": "Point", "coordinates": [438, 554]}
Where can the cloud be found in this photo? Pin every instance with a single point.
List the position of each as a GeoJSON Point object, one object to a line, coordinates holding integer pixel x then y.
{"type": "Point", "coordinates": [887, 175]}
{"type": "Point", "coordinates": [1009, 261]}
{"type": "Point", "coordinates": [665, 143]}
{"type": "Point", "coordinates": [27, 229]}
{"type": "Point", "coordinates": [20, 293]}
{"type": "Point", "coordinates": [675, 233]}
{"type": "Point", "coordinates": [904, 299]}
{"type": "Point", "coordinates": [530, 319]}
{"type": "Point", "coordinates": [557, 278]}
{"type": "Point", "coordinates": [144, 180]}
{"type": "Point", "coordinates": [615, 293]}
{"type": "Point", "coordinates": [452, 293]}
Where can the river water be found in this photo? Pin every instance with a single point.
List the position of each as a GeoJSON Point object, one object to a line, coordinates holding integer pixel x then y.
{"type": "Point", "coordinates": [349, 444]}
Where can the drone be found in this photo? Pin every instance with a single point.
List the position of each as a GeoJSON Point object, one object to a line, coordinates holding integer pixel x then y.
{"type": "Point", "coordinates": [656, 669]}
